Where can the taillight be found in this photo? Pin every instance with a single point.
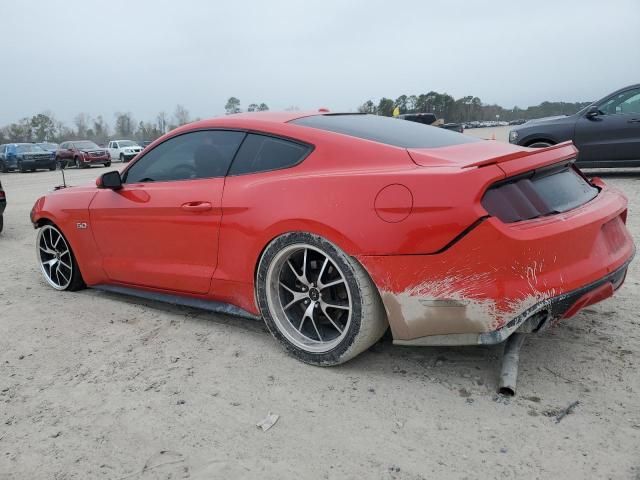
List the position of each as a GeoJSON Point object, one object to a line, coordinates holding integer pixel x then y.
{"type": "Point", "coordinates": [537, 194]}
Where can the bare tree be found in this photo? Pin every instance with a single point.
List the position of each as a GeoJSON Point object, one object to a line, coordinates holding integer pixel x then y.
{"type": "Point", "coordinates": [161, 121]}
{"type": "Point", "coordinates": [181, 115]}
{"type": "Point", "coordinates": [81, 122]}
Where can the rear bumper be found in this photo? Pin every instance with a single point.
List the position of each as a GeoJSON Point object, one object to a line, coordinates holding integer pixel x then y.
{"type": "Point", "coordinates": [499, 275]}
{"type": "Point", "coordinates": [536, 318]}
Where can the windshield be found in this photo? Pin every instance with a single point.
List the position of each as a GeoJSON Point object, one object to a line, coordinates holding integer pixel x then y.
{"type": "Point", "coordinates": [85, 144]}
{"type": "Point", "coordinates": [29, 149]}
{"type": "Point", "coordinates": [127, 143]}
{"type": "Point", "coordinates": [48, 146]}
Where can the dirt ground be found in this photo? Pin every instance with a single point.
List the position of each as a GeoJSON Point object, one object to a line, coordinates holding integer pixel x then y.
{"type": "Point", "coordinates": [97, 385]}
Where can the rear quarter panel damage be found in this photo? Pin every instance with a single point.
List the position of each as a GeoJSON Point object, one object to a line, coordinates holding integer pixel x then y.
{"type": "Point", "coordinates": [496, 271]}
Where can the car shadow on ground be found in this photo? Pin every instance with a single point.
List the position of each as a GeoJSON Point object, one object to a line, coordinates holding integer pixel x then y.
{"type": "Point", "coordinates": [459, 368]}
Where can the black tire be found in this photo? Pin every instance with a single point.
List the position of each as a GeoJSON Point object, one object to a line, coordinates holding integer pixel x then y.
{"type": "Point", "coordinates": [540, 144]}
{"type": "Point", "coordinates": [76, 282]}
{"type": "Point", "coordinates": [122, 159]}
{"type": "Point", "coordinates": [368, 320]}
{"type": "Point", "coordinates": [4, 167]}
{"type": "Point", "coordinates": [108, 164]}
{"type": "Point", "coordinates": [77, 162]}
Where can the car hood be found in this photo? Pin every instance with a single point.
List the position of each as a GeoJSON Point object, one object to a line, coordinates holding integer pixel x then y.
{"type": "Point", "coordinates": [89, 150]}
{"type": "Point", "coordinates": [488, 152]}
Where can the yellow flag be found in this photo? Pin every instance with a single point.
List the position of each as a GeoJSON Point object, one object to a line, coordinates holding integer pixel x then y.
{"type": "Point", "coordinates": [396, 111]}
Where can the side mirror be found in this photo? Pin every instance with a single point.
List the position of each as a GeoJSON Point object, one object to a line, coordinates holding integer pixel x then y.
{"type": "Point", "coordinates": [110, 180]}
{"type": "Point", "coordinates": [592, 112]}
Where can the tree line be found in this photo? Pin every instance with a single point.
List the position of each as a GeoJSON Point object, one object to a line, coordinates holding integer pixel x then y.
{"type": "Point", "coordinates": [45, 127]}
{"type": "Point", "coordinates": [465, 109]}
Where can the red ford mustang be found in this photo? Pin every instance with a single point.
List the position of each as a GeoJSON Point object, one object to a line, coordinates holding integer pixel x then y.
{"type": "Point", "coordinates": [333, 227]}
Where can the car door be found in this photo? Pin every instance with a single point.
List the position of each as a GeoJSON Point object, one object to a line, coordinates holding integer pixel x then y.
{"type": "Point", "coordinates": [613, 135]}
{"type": "Point", "coordinates": [161, 229]}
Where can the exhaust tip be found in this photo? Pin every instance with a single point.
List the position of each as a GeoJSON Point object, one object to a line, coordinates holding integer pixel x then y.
{"type": "Point", "coordinates": [507, 391]}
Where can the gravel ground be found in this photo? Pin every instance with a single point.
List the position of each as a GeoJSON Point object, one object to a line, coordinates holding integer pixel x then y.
{"type": "Point", "coordinates": [97, 385]}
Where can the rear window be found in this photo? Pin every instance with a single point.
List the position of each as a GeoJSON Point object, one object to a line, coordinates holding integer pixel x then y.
{"type": "Point", "coordinates": [260, 153]}
{"type": "Point", "coordinates": [392, 131]}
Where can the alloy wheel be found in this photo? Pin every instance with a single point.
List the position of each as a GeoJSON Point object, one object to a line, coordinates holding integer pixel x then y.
{"type": "Point", "coordinates": [54, 257]}
{"type": "Point", "coordinates": [309, 298]}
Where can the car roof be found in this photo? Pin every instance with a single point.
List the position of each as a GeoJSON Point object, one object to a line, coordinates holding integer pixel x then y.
{"type": "Point", "coordinates": [262, 117]}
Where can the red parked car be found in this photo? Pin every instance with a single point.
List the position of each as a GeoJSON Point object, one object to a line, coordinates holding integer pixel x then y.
{"type": "Point", "coordinates": [82, 154]}
{"type": "Point", "coordinates": [333, 227]}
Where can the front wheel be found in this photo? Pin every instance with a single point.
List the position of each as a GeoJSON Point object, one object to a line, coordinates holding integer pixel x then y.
{"type": "Point", "coordinates": [4, 167]}
{"type": "Point", "coordinates": [56, 260]}
{"type": "Point", "coordinates": [318, 302]}
{"type": "Point", "coordinates": [108, 164]}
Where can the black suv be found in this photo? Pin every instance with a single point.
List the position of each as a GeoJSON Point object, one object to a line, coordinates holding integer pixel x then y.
{"type": "Point", "coordinates": [607, 132]}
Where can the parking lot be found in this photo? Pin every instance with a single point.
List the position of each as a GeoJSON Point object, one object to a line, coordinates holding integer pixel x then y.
{"type": "Point", "coordinates": [94, 384]}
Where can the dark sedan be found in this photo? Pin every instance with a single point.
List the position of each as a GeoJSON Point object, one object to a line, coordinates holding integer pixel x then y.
{"type": "Point", "coordinates": [607, 132]}
{"type": "Point", "coordinates": [82, 154]}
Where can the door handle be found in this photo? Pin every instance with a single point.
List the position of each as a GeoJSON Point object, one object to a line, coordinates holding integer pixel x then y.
{"type": "Point", "coordinates": [634, 120]}
{"type": "Point", "coordinates": [197, 206]}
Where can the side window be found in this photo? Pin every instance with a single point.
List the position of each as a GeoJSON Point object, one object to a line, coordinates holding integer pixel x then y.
{"type": "Point", "coordinates": [115, 145]}
{"type": "Point", "coordinates": [202, 154]}
{"type": "Point", "coordinates": [260, 153]}
{"type": "Point", "coordinates": [624, 103]}
{"type": "Point", "coordinates": [111, 145]}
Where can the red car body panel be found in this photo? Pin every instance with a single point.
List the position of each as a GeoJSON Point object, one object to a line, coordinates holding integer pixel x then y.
{"type": "Point", "coordinates": [471, 289]}
{"type": "Point", "coordinates": [412, 217]}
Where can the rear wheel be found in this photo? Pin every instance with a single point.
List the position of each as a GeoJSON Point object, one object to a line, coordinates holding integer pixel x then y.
{"type": "Point", "coordinates": [318, 302]}
{"type": "Point", "coordinates": [56, 260]}
{"type": "Point", "coordinates": [122, 157]}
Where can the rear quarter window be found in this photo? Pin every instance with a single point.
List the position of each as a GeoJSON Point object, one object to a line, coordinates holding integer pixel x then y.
{"type": "Point", "coordinates": [262, 153]}
{"type": "Point", "coordinates": [391, 131]}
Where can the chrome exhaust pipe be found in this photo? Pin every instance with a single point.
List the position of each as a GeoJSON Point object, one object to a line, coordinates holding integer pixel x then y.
{"type": "Point", "coordinates": [510, 359]}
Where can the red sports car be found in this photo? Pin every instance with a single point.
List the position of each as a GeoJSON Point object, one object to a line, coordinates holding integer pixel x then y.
{"type": "Point", "coordinates": [333, 227]}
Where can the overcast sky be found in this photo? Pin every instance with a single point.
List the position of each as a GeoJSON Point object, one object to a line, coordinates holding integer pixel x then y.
{"type": "Point", "coordinates": [145, 56]}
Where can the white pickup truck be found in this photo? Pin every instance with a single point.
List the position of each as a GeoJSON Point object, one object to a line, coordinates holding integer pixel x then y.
{"type": "Point", "coordinates": [123, 150]}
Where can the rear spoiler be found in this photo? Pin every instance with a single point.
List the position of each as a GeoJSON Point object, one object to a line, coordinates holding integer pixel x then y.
{"type": "Point", "coordinates": [523, 161]}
